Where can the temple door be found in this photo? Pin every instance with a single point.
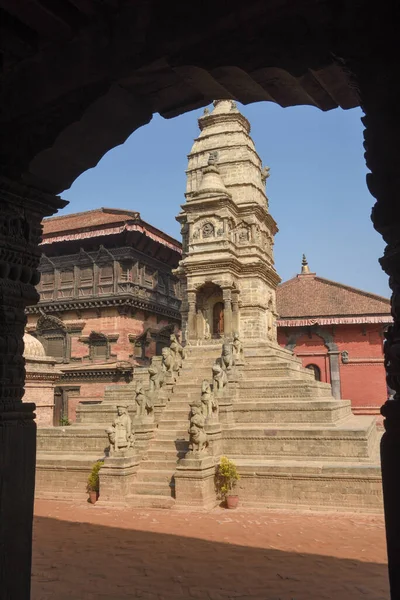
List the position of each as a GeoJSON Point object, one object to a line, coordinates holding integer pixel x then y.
{"type": "Point", "coordinates": [218, 318]}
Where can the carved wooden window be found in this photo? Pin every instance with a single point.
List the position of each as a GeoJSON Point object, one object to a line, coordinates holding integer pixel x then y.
{"type": "Point", "coordinates": [161, 284]}
{"type": "Point", "coordinates": [47, 280]}
{"type": "Point", "coordinates": [86, 276]}
{"type": "Point", "coordinates": [125, 273]}
{"type": "Point", "coordinates": [67, 278]}
{"type": "Point", "coordinates": [99, 350]}
{"type": "Point", "coordinates": [55, 346]}
{"type": "Point", "coordinates": [106, 274]}
{"type": "Point", "coordinates": [148, 276]}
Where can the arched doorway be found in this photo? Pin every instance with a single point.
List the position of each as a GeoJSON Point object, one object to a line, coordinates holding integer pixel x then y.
{"type": "Point", "coordinates": [218, 319]}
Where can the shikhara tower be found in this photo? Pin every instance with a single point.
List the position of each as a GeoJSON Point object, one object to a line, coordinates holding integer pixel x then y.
{"type": "Point", "coordinates": [227, 270]}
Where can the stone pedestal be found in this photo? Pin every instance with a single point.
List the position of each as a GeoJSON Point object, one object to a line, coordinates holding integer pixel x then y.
{"type": "Point", "coordinates": [195, 482]}
{"type": "Point", "coordinates": [144, 433]}
{"type": "Point", "coordinates": [116, 478]}
{"type": "Point", "coordinates": [214, 438]}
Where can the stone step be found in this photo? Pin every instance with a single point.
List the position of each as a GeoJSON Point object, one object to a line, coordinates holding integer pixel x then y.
{"type": "Point", "coordinates": [156, 488]}
{"type": "Point", "coordinates": [292, 411]}
{"type": "Point", "coordinates": [150, 501]}
{"type": "Point", "coordinates": [168, 454]}
{"type": "Point", "coordinates": [315, 484]}
{"type": "Point", "coordinates": [284, 389]}
{"type": "Point", "coordinates": [353, 439]}
{"type": "Point", "coordinates": [163, 476]}
{"type": "Point", "coordinates": [155, 465]}
{"type": "Point", "coordinates": [74, 439]}
{"type": "Point", "coordinates": [275, 370]}
{"type": "Point", "coordinates": [175, 419]}
{"type": "Point", "coordinates": [61, 476]}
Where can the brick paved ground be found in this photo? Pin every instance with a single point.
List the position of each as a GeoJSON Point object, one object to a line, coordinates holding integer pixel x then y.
{"type": "Point", "coordinates": [84, 552]}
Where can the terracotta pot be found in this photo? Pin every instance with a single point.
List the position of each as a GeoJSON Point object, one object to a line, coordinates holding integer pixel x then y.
{"type": "Point", "coordinates": [232, 501]}
{"type": "Point", "coordinates": [93, 496]}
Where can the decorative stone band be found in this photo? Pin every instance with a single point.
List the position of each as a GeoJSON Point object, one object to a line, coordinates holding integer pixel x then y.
{"type": "Point", "coordinates": [334, 321]}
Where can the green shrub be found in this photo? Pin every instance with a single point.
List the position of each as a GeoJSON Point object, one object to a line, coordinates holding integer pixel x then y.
{"type": "Point", "coordinates": [226, 477]}
{"type": "Point", "coordinates": [64, 421]}
{"type": "Point", "coordinates": [93, 479]}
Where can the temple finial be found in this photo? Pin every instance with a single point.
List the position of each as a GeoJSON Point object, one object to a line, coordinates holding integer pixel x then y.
{"type": "Point", "coordinates": [304, 266]}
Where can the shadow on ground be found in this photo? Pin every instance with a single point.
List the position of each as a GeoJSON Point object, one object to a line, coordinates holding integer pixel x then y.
{"type": "Point", "coordinates": [83, 561]}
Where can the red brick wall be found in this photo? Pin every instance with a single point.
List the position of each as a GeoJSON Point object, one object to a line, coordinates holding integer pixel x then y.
{"type": "Point", "coordinates": [361, 382]}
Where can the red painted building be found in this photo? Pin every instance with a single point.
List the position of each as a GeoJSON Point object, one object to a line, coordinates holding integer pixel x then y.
{"type": "Point", "coordinates": [337, 331]}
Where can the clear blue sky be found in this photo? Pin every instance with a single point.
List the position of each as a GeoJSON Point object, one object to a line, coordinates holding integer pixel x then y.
{"type": "Point", "coordinates": [317, 190]}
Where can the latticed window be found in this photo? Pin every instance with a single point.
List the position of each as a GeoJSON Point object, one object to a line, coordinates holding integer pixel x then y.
{"type": "Point", "coordinates": [55, 346]}
{"type": "Point", "coordinates": [86, 276]}
{"type": "Point", "coordinates": [148, 276]}
{"type": "Point", "coordinates": [100, 350]}
{"type": "Point", "coordinates": [47, 280]}
{"type": "Point", "coordinates": [67, 278]}
{"type": "Point", "coordinates": [106, 274]}
{"type": "Point", "coordinates": [125, 273]}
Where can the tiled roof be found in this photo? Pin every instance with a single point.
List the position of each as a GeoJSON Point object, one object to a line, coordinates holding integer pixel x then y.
{"type": "Point", "coordinates": [101, 221]}
{"type": "Point", "coordinates": [90, 218]}
{"type": "Point", "coordinates": [311, 296]}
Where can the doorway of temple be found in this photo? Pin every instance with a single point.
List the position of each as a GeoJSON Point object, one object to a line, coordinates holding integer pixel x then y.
{"type": "Point", "coordinates": [218, 319]}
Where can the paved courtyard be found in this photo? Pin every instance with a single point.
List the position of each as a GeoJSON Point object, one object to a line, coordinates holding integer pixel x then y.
{"type": "Point", "coordinates": [84, 552]}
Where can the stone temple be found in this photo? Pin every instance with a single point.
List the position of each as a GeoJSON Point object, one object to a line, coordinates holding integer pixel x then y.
{"type": "Point", "coordinates": [229, 388]}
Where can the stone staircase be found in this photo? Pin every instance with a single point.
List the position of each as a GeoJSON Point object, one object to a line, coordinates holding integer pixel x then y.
{"type": "Point", "coordinates": [293, 443]}
{"type": "Point", "coordinates": [155, 485]}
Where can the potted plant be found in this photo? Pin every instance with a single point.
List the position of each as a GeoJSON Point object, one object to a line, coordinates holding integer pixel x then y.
{"type": "Point", "coordinates": [93, 483]}
{"type": "Point", "coordinates": [226, 479]}
{"type": "Point", "coordinates": [64, 421]}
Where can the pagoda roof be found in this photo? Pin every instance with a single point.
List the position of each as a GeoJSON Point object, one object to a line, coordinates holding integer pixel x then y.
{"type": "Point", "coordinates": [99, 222]}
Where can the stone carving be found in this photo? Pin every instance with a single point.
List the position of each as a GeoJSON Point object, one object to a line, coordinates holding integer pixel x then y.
{"type": "Point", "coordinates": [206, 112]}
{"type": "Point", "coordinates": [144, 403]}
{"type": "Point", "coordinates": [208, 230]}
{"type": "Point", "coordinates": [197, 436]}
{"type": "Point", "coordinates": [219, 377]}
{"type": "Point", "coordinates": [345, 357]}
{"type": "Point", "coordinates": [209, 404]}
{"type": "Point", "coordinates": [120, 434]}
{"type": "Point", "coordinates": [265, 174]}
{"type": "Point", "coordinates": [237, 348]}
{"type": "Point", "coordinates": [157, 377]}
{"type": "Point", "coordinates": [227, 357]}
{"type": "Point", "coordinates": [213, 158]}
{"type": "Point", "coordinates": [167, 360]}
{"type": "Point", "coordinates": [177, 351]}
{"type": "Point", "coordinates": [207, 329]}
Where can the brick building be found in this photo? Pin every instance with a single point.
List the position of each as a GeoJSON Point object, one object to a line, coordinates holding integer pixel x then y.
{"type": "Point", "coordinates": [108, 300]}
{"type": "Point", "coordinates": [337, 331]}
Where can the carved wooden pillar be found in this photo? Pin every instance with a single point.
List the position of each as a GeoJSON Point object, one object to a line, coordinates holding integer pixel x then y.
{"type": "Point", "coordinates": [21, 212]}
{"type": "Point", "coordinates": [379, 90]}
{"type": "Point", "coordinates": [227, 297]}
{"type": "Point", "coordinates": [192, 317]}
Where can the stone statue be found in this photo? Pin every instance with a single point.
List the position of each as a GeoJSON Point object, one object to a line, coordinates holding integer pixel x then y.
{"type": "Point", "coordinates": [197, 436]}
{"type": "Point", "coordinates": [219, 377]}
{"type": "Point", "coordinates": [144, 404]}
{"type": "Point", "coordinates": [265, 174]}
{"type": "Point", "coordinates": [167, 360]}
{"type": "Point", "coordinates": [177, 351]}
{"type": "Point", "coordinates": [207, 330]}
{"type": "Point", "coordinates": [157, 378]}
{"type": "Point", "coordinates": [227, 357]}
{"type": "Point", "coordinates": [207, 399]}
{"type": "Point", "coordinates": [120, 434]}
{"type": "Point", "coordinates": [206, 112]}
{"type": "Point", "coordinates": [237, 347]}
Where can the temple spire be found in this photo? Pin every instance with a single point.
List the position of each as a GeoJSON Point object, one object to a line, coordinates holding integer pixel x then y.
{"type": "Point", "coordinates": [305, 269]}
